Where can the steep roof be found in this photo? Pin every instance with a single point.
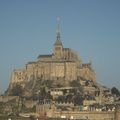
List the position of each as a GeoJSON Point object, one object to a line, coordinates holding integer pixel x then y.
{"type": "Point", "coordinates": [43, 56]}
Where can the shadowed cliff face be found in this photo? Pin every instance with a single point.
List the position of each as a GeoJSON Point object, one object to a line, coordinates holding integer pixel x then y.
{"type": "Point", "coordinates": [34, 88]}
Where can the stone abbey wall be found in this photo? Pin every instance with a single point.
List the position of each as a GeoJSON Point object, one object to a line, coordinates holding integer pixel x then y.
{"type": "Point", "coordinates": [66, 70]}
{"type": "Point", "coordinates": [63, 64]}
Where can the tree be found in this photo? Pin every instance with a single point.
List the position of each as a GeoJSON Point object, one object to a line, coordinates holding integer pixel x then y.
{"type": "Point", "coordinates": [115, 91]}
{"type": "Point", "coordinates": [17, 90]}
{"type": "Point", "coordinates": [78, 99]}
{"type": "Point", "coordinates": [69, 98]}
{"type": "Point", "coordinates": [75, 83]}
{"type": "Point", "coordinates": [48, 83]}
{"type": "Point", "coordinates": [87, 83]}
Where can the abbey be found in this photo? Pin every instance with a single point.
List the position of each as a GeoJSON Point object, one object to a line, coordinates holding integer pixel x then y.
{"type": "Point", "coordinates": [62, 65]}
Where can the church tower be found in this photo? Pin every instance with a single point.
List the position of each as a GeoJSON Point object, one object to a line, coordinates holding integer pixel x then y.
{"type": "Point", "coordinates": [58, 47]}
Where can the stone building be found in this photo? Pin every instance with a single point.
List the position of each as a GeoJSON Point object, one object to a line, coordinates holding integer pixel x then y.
{"type": "Point", "coordinates": [62, 65]}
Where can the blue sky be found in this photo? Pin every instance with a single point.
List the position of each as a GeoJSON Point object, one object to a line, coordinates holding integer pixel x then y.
{"type": "Point", "coordinates": [90, 27]}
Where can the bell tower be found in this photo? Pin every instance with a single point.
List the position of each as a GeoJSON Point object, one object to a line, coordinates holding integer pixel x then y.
{"type": "Point", "coordinates": [58, 47]}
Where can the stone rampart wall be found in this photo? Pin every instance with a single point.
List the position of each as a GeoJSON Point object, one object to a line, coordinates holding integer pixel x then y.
{"type": "Point", "coordinates": [8, 98]}
{"type": "Point", "coordinates": [107, 115]}
{"type": "Point", "coordinates": [118, 115]}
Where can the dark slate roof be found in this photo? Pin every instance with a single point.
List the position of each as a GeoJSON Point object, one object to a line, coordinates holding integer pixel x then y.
{"type": "Point", "coordinates": [43, 56]}
{"type": "Point", "coordinates": [66, 48]}
{"type": "Point", "coordinates": [31, 62]}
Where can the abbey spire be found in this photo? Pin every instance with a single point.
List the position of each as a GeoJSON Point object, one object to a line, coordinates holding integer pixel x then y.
{"type": "Point", "coordinates": [58, 40]}
{"type": "Point", "coordinates": [58, 47]}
